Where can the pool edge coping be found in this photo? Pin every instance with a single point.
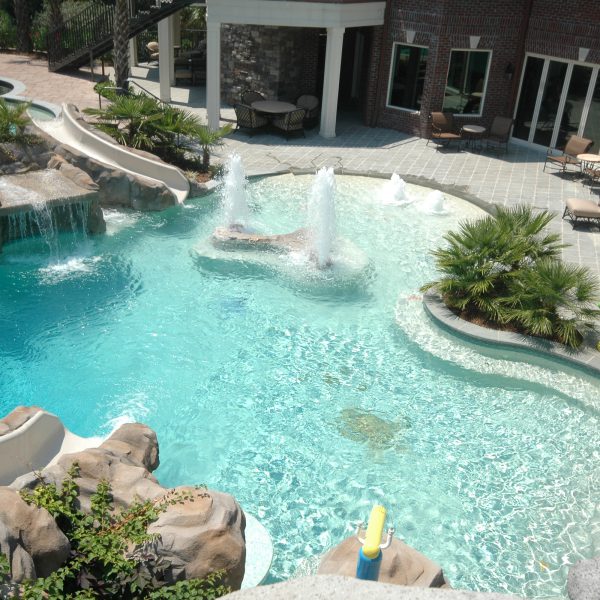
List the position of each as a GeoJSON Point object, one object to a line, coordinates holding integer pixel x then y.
{"type": "Point", "coordinates": [587, 358]}
{"type": "Point", "coordinates": [19, 87]}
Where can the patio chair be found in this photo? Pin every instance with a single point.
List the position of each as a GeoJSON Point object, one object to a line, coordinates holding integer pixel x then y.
{"type": "Point", "coordinates": [575, 145]}
{"type": "Point", "coordinates": [499, 133]}
{"type": "Point", "coordinates": [311, 105]}
{"type": "Point", "coordinates": [443, 129]}
{"type": "Point", "coordinates": [579, 209]}
{"type": "Point", "coordinates": [152, 48]}
{"type": "Point", "coordinates": [291, 122]}
{"type": "Point", "coordinates": [250, 96]}
{"type": "Point", "coordinates": [248, 119]}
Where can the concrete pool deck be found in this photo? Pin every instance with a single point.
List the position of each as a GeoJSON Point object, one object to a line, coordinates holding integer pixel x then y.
{"type": "Point", "coordinates": [505, 179]}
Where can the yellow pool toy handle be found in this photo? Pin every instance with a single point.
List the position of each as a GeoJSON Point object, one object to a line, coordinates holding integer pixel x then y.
{"type": "Point", "coordinates": [371, 547]}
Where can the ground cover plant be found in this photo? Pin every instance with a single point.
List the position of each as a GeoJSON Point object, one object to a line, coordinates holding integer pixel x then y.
{"type": "Point", "coordinates": [112, 554]}
{"type": "Point", "coordinates": [505, 271]}
{"type": "Point", "coordinates": [143, 122]}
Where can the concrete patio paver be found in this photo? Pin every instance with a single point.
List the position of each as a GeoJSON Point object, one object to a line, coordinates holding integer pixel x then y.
{"type": "Point", "coordinates": [508, 179]}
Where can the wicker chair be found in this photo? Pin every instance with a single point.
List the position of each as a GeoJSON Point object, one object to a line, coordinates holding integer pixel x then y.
{"type": "Point", "coordinates": [575, 145]}
{"type": "Point", "coordinates": [250, 96]}
{"type": "Point", "coordinates": [248, 119]}
{"type": "Point", "coordinates": [291, 122]}
{"type": "Point", "coordinates": [499, 133]}
{"type": "Point", "coordinates": [311, 105]}
{"type": "Point", "coordinates": [443, 129]}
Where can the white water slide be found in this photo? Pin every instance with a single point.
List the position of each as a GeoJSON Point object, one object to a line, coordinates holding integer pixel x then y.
{"type": "Point", "coordinates": [68, 129]}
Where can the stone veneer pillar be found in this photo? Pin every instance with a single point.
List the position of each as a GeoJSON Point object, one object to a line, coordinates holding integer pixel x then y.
{"type": "Point", "coordinates": [213, 73]}
{"type": "Point", "coordinates": [331, 80]}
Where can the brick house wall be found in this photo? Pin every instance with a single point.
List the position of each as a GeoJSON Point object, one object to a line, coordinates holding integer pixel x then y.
{"type": "Point", "coordinates": [554, 28]}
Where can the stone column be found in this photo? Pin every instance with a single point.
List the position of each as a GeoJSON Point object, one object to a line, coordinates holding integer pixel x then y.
{"type": "Point", "coordinates": [331, 80]}
{"type": "Point", "coordinates": [213, 73]}
{"type": "Point", "coordinates": [164, 58]}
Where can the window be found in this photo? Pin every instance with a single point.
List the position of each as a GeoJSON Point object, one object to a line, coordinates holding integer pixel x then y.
{"type": "Point", "coordinates": [407, 77]}
{"type": "Point", "coordinates": [465, 87]}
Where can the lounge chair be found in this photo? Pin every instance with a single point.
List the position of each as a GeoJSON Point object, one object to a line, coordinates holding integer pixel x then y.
{"type": "Point", "coordinates": [575, 145]}
{"type": "Point", "coordinates": [578, 209]}
{"type": "Point", "coordinates": [250, 96]}
{"type": "Point", "coordinates": [499, 133]}
{"type": "Point", "coordinates": [443, 129]}
{"type": "Point", "coordinates": [248, 119]}
{"type": "Point", "coordinates": [311, 105]}
{"type": "Point", "coordinates": [291, 122]}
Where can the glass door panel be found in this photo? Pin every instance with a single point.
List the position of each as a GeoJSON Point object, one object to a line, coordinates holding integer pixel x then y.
{"type": "Point", "coordinates": [550, 100]}
{"type": "Point", "coordinates": [592, 124]}
{"type": "Point", "coordinates": [527, 99]}
{"type": "Point", "coordinates": [574, 103]}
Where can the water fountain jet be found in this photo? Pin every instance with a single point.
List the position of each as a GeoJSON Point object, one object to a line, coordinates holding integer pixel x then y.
{"type": "Point", "coordinates": [322, 217]}
{"type": "Point", "coordinates": [235, 199]}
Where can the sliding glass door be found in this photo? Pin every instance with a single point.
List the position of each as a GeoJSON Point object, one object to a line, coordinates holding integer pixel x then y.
{"type": "Point", "coordinates": [557, 99]}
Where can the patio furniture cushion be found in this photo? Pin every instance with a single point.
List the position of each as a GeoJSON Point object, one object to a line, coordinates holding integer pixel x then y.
{"type": "Point", "coordinates": [152, 48]}
{"type": "Point", "coordinates": [575, 145]}
{"type": "Point", "coordinates": [500, 132]}
{"type": "Point", "coordinates": [578, 208]}
{"type": "Point", "coordinates": [443, 129]}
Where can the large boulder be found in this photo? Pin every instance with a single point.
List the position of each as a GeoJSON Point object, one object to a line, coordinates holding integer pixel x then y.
{"type": "Point", "coordinates": [400, 564]}
{"type": "Point", "coordinates": [30, 538]}
{"type": "Point", "coordinates": [201, 533]}
{"type": "Point", "coordinates": [583, 581]}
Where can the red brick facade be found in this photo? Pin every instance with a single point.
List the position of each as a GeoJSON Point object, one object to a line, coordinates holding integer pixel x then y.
{"type": "Point", "coordinates": [508, 28]}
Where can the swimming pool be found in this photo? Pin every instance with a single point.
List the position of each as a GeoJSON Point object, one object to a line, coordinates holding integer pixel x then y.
{"type": "Point", "coordinates": [307, 398]}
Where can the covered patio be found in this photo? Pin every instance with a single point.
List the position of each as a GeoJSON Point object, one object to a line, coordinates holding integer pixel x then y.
{"type": "Point", "coordinates": [334, 18]}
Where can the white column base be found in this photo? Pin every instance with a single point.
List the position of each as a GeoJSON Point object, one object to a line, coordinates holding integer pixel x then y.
{"type": "Point", "coordinates": [331, 80]}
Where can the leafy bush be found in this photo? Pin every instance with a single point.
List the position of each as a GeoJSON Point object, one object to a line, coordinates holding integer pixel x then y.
{"type": "Point", "coordinates": [142, 122]}
{"type": "Point", "coordinates": [112, 554]}
{"type": "Point", "coordinates": [13, 120]}
{"type": "Point", "coordinates": [8, 31]}
{"type": "Point", "coordinates": [505, 270]}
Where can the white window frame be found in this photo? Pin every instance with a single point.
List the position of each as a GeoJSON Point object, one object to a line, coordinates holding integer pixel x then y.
{"type": "Point", "coordinates": [411, 111]}
{"type": "Point", "coordinates": [586, 107]}
{"type": "Point", "coordinates": [485, 81]}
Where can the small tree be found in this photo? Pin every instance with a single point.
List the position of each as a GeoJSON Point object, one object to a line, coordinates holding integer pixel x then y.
{"type": "Point", "coordinates": [208, 139]}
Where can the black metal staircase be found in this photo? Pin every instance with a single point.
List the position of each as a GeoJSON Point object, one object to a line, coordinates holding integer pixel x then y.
{"type": "Point", "coordinates": [89, 33]}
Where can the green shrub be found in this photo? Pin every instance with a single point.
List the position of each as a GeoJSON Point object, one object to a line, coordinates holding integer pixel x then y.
{"type": "Point", "coordinates": [8, 31]}
{"type": "Point", "coordinates": [506, 271]}
{"type": "Point", "coordinates": [112, 554]}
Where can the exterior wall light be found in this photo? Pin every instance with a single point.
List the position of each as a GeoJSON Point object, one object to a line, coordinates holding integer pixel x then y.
{"type": "Point", "coordinates": [509, 72]}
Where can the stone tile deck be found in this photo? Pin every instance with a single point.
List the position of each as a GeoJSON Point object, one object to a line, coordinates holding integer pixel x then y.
{"type": "Point", "coordinates": [505, 179]}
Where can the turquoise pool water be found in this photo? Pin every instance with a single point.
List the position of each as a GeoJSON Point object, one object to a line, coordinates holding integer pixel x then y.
{"type": "Point", "coordinates": [36, 111]}
{"type": "Point", "coordinates": [307, 397]}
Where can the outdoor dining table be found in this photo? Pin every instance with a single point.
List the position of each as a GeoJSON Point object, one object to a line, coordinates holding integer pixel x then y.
{"type": "Point", "coordinates": [273, 107]}
{"type": "Point", "coordinates": [589, 162]}
{"type": "Point", "coordinates": [473, 134]}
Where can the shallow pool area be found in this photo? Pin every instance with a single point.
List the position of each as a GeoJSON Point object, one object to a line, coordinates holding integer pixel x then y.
{"type": "Point", "coordinates": [310, 394]}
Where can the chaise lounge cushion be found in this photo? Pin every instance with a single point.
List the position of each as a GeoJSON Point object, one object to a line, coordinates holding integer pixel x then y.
{"type": "Point", "coordinates": [581, 208]}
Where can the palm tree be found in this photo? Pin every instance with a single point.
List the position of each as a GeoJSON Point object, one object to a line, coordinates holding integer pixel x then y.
{"type": "Point", "coordinates": [23, 19]}
{"type": "Point", "coordinates": [208, 139]}
{"type": "Point", "coordinates": [555, 300]}
{"type": "Point", "coordinates": [13, 120]}
{"type": "Point", "coordinates": [120, 43]}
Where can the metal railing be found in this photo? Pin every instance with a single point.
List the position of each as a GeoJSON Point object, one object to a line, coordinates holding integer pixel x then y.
{"type": "Point", "coordinates": [89, 33]}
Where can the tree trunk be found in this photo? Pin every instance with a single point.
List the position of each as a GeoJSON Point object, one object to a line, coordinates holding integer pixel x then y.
{"type": "Point", "coordinates": [121, 43]}
{"type": "Point", "coordinates": [23, 18]}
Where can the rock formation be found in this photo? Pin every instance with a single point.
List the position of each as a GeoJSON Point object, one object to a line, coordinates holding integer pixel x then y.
{"type": "Point", "coordinates": [400, 564]}
{"type": "Point", "coordinates": [202, 534]}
